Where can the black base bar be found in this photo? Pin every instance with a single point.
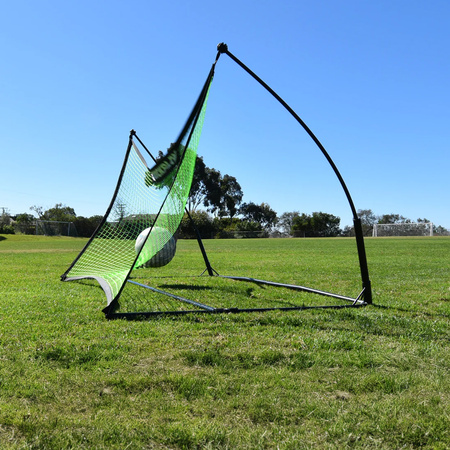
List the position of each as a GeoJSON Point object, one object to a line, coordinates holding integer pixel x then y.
{"type": "Point", "coordinates": [297, 288]}
{"type": "Point", "coordinates": [355, 302]}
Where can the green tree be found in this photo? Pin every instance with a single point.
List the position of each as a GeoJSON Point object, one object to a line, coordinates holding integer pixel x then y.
{"type": "Point", "coordinates": [25, 223]}
{"type": "Point", "coordinates": [231, 196]}
{"type": "Point", "coordinates": [249, 229]}
{"type": "Point", "coordinates": [301, 225]}
{"type": "Point", "coordinates": [4, 217]}
{"type": "Point", "coordinates": [213, 193]}
{"type": "Point", "coordinates": [262, 214]}
{"type": "Point", "coordinates": [86, 226]}
{"type": "Point", "coordinates": [223, 195]}
{"type": "Point", "coordinates": [318, 224]}
{"type": "Point", "coordinates": [5, 222]}
{"type": "Point", "coordinates": [285, 222]}
{"type": "Point", "coordinates": [325, 225]}
{"type": "Point", "coordinates": [202, 221]}
{"type": "Point", "coordinates": [59, 212]}
{"type": "Point", "coordinates": [198, 190]}
{"type": "Point", "coordinates": [439, 230]}
{"type": "Point", "coordinates": [39, 210]}
{"type": "Point", "coordinates": [393, 218]}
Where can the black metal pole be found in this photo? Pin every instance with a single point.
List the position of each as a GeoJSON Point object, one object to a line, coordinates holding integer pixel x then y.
{"type": "Point", "coordinates": [363, 260]}
{"type": "Point", "coordinates": [223, 48]}
{"type": "Point", "coordinates": [209, 269]}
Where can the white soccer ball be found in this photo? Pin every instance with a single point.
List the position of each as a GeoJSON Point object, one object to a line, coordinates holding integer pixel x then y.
{"type": "Point", "coordinates": [159, 237]}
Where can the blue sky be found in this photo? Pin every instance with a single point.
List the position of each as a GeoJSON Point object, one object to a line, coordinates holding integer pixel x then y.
{"type": "Point", "coordinates": [370, 78]}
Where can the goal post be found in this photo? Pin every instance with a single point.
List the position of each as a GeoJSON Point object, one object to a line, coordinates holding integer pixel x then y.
{"type": "Point", "coordinates": [403, 229]}
{"type": "Point", "coordinates": [55, 228]}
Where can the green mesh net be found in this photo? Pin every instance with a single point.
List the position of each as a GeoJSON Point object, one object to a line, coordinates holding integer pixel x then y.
{"type": "Point", "coordinates": [145, 212]}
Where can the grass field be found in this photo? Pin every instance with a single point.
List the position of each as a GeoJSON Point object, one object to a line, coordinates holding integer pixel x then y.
{"type": "Point", "coordinates": [374, 377]}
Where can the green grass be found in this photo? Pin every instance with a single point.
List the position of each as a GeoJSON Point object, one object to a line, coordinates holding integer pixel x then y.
{"type": "Point", "coordinates": [374, 377]}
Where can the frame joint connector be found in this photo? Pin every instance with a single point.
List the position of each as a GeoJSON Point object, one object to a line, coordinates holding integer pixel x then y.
{"type": "Point", "coordinates": [222, 48]}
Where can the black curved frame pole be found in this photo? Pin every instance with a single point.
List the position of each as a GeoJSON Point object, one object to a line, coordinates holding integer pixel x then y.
{"type": "Point", "coordinates": [367, 294]}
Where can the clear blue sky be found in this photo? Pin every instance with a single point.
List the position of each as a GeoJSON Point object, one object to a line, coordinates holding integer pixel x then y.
{"type": "Point", "coordinates": [370, 78]}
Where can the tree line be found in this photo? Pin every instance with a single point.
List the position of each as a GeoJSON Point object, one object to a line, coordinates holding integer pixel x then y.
{"type": "Point", "coordinates": [250, 221]}
{"type": "Point", "coordinates": [369, 219]}
{"type": "Point", "coordinates": [215, 204]}
{"type": "Point", "coordinates": [46, 220]}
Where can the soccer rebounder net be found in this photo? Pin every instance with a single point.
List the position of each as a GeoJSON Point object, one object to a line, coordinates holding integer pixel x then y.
{"type": "Point", "coordinates": [137, 238]}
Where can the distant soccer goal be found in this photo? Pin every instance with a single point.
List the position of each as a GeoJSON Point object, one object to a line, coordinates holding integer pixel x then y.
{"type": "Point", "coordinates": [55, 228]}
{"type": "Point", "coordinates": [403, 229]}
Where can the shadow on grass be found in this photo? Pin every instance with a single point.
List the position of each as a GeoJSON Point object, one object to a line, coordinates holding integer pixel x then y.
{"type": "Point", "coordinates": [190, 287]}
{"type": "Point", "coordinates": [411, 312]}
{"type": "Point", "coordinates": [87, 282]}
{"type": "Point", "coordinates": [2, 238]}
